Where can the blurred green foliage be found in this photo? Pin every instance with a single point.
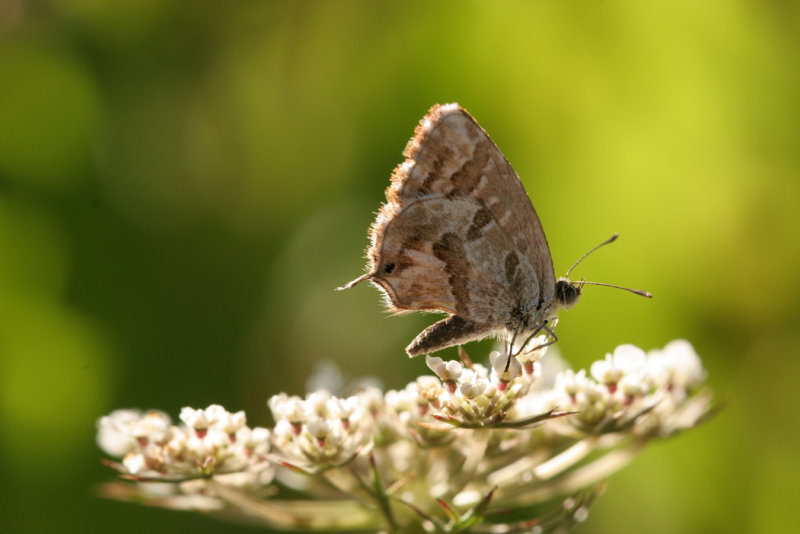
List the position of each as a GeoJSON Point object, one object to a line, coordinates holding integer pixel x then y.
{"type": "Point", "coordinates": [183, 184]}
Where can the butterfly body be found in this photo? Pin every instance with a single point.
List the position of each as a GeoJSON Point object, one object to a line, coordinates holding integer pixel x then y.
{"type": "Point", "coordinates": [459, 234]}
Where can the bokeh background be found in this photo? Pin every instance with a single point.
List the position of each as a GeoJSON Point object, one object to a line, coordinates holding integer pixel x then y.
{"type": "Point", "coordinates": [183, 184]}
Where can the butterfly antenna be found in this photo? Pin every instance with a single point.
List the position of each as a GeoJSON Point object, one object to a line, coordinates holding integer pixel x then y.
{"type": "Point", "coordinates": [639, 292]}
{"type": "Point", "coordinates": [611, 239]}
{"type": "Point", "coordinates": [606, 242]}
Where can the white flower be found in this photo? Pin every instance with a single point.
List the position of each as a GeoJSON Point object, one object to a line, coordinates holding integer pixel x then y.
{"type": "Point", "coordinates": [153, 427]}
{"type": "Point", "coordinates": [504, 367]}
{"type": "Point", "coordinates": [548, 368]}
{"type": "Point", "coordinates": [319, 428]}
{"type": "Point", "coordinates": [176, 446]}
{"type": "Point", "coordinates": [572, 383]}
{"type": "Point", "coordinates": [528, 355]}
{"type": "Point", "coordinates": [134, 463]}
{"type": "Point", "coordinates": [471, 389]}
{"type": "Point", "coordinates": [538, 403]}
{"type": "Point", "coordinates": [633, 385]}
{"type": "Point", "coordinates": [626, 360]}
{"type": "Point", "coordinates": [687, 369]}
{"type": "Point", "coordinates": [230, 423]}
{"type": "Point", "coordinates": [428, 390]}
{"type": "Point", "coordinates": [316, 403]}
{"type": "Point", "coordinates": [196, 419]}
{"type": "Point", "coordinates": [114, 432]}
{"type": "Point", "coordinates": [342, 409]}
{"type": "Point", "coordinates": [448, 371]}
{"type": "Point", "coordinates": [255, 440]}
{"type": "Point", "coordinates": [676, 368]}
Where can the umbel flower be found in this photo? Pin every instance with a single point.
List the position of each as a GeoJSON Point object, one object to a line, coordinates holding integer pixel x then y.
{"type": "Point", "coordinates": [520, 445]}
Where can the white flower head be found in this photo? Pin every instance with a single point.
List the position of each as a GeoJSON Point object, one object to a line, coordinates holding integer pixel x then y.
{"type": "Point", "coordinates": [331, 431]}
{"type": "Point", "coordinates": [454, 436]}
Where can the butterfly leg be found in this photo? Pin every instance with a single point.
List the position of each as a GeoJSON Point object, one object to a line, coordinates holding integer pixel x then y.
{"type": "Point", "coordinates": [548, 331]}
{"type": "Point", "coordinates": [533, 334]}
{"type": "Point", "coordinates": [510, 345]}
{"type": "Point", "coordinates": [543, 326]}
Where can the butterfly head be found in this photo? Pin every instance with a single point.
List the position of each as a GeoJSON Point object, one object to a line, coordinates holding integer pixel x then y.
{"type": "Point", "coordinates": [567, 292]}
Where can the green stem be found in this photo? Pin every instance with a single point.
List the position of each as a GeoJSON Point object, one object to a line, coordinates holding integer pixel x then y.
{"type": "Point", "coordinates": [381, 497]}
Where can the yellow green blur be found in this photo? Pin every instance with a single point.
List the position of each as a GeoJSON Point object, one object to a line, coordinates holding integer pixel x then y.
{"type": "Point", "coordinates": [183, 184]}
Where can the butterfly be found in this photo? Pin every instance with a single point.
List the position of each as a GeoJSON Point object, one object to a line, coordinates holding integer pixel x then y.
{"type": "Point", "coordinates": [459, 234]}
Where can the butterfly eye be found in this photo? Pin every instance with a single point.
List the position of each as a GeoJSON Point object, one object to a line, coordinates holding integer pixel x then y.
{"type": "Point", "coordinates": [567, 293]}
{"type": "Point", "coordinates": [388, 268]}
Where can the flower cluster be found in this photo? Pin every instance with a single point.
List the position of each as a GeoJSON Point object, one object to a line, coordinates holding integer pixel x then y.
{"type": "Point", "coordinates": [320, 431]}
{"type": "Point", "coordinates": [210, 442]}
{"type": "Point", "coordinates": [632, 389]}
{"type": "Point", "coordinates": [477, 397]}
{"type": "Point", "coordinates": [446, 453]}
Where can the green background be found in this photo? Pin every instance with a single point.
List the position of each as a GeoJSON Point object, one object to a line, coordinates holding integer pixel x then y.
{"type": "Point", "coordinates": [183, 184]}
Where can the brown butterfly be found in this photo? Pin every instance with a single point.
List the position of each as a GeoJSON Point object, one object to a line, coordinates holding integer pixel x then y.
{"type": "Point", "coordinates": [459, 234]}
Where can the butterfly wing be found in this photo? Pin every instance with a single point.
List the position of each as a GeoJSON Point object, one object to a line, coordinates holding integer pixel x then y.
{"type": "Point", "coordinates": [459, 235]}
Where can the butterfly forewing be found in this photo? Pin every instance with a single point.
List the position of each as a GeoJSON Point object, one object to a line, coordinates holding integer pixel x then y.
{"type": "Point", "coordinates": [460, 235]}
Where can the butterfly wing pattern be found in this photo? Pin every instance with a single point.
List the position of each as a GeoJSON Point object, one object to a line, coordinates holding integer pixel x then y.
{"type": "Point", "coordinates": [458, 234]}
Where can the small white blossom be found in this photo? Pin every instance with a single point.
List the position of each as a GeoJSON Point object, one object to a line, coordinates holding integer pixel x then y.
{"type": "Point", "coordinates": [505, 368]}
{"type": "Point", "coordinates": [319, 428]}
{"type": "Point", "coordinates": [625, 361]}
{"type": "Point", "coordinates": [316, 403]}
{"type": "Point", "coordinates": [196, 419]}
{"type": "Point", "coordinates": [429, 391]}
{"type": "Point", "coordinates": [678, 365]}
{"type": "Point", "coordinates": [230, 423]}
{"type": "Point", "coordinates": [116, 432]}
{"type": "Point", "coordinates": [448, 371]}
{"type": "Point", "coordinates": [412, 404]}
{"type": "Point", "coordinates": [134, 463]}
{"type": "Point", "coordinates": [347, 411]}
{"type": "Point", "coordinates": [532, 353]}
{"type": "Point", "coordinates": [571, 383]}
{"type": "Point", "coordinates": [473, 388]}
{"type": "Point", "coordinates": [153, 427]}
{"type": "Point", "coordinates": [633, 385]}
